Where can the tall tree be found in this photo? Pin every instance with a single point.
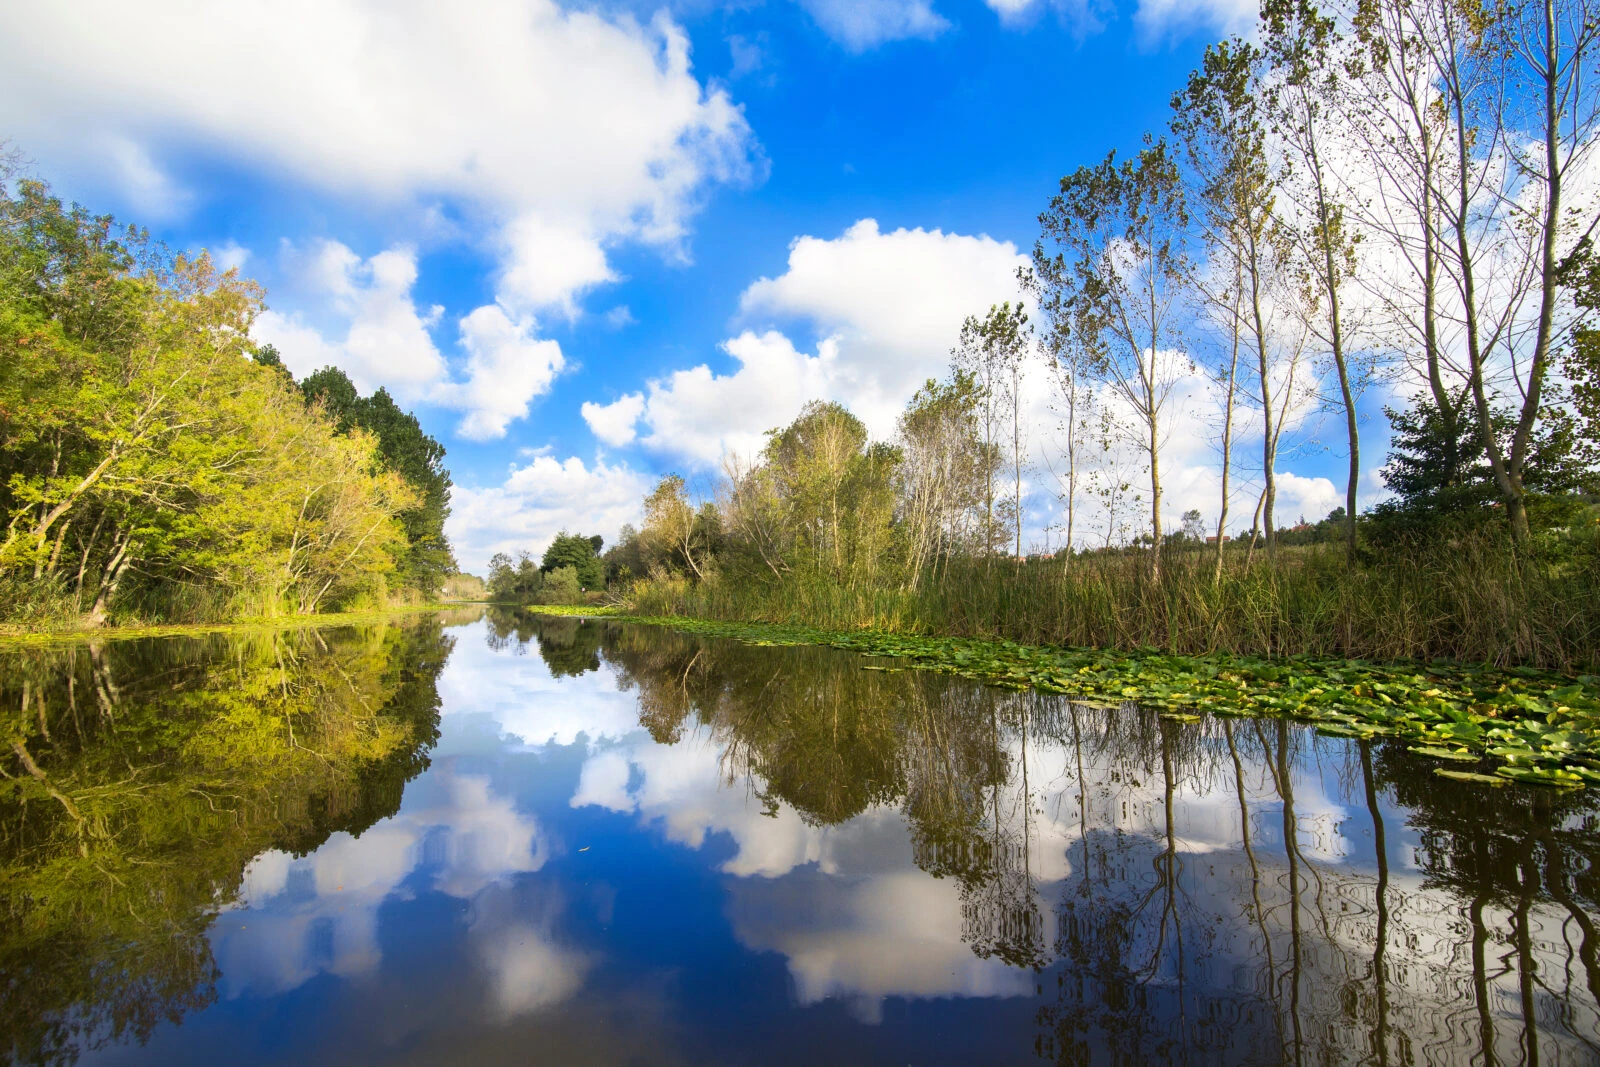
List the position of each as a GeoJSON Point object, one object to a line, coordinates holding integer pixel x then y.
{"type": "Point", "coordinates": [1109, 267]}
{"type": "Point", "coordinates": [1508, 92]}
{"type": "Point", "coordinates": [992, 349]}
{"type": "Point", "coordinates": [945, 470]}
{"type": "Point", "coordinates": [409, 452]}
{"type": "Point", "coordinates": [1220, 119]}
{"type": "Point", "coordinates": [1304, 50]}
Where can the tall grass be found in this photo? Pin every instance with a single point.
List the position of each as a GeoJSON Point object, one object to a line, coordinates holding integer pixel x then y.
{"type": "Point", "coordinates": [1473, 601]}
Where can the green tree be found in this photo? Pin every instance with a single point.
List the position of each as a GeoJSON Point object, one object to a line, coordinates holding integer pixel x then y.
{"type": "Point", "coordinates": [409, 452]}
{"type": "Point", "coordinates": [579, 553]}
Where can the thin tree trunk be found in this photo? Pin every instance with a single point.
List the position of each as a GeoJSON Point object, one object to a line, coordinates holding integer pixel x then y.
{"type": "Point", "coordinates": [1227, 446]}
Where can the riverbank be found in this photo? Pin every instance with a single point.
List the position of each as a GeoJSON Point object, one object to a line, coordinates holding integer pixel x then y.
{"type": "Point", "coordinates": [1490, 725]}
{"type": "Point", "coordinates": [16, 637]}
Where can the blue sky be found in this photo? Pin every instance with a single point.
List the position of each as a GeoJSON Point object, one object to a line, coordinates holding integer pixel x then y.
{"type": "Point", "coordinates": [594, 243]}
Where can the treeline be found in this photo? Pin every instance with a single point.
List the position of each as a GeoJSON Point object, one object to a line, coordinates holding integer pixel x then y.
{"type": "Point", "coordinates": [570, 571]}
{"type": "Point", "coordinates": [1379, 192]}
{"type": "Point", "coordinates": [155, 465]}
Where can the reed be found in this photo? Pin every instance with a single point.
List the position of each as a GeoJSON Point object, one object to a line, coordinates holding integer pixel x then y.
{"type": "Point", "coordinates": [1475, 600]}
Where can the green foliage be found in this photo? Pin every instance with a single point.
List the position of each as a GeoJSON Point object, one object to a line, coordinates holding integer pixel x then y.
{"type": "Point", "coordinates": [562, 586]}
{"type": "Point", "coordinates": [578, 554]}
{"type": "Point", "coordinates": [407, 451]}
{"type": "Point", "coordinates": [149, 467]}
{"type": "Point", "coordinates": [1537, 727]}
{"type": "Point", "coordinates": [514, 582]}
{"type": "Point", "coordinates": [1444, 486]}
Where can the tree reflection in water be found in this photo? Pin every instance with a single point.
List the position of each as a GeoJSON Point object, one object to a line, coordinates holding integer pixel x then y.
{"type": "Point", "coordinates": [1224, 891]}
{"type": "Point", "coordinates": [140, 777]}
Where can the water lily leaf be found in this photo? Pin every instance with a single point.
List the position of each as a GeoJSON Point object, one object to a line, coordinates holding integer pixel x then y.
{"type": "Point", "coordinates": [1550, 776]}
{"type": "Point", "coordinates": [1443, 753]}
{"type": "Point", "coordinates": [1469, 776]}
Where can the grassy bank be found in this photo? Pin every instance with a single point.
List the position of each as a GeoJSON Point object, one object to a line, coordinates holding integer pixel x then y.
{"type": "Point", "coordinates": [1481, 723]}
{"type": "Point", "coordinates": [1474, 601]}
{"type": "Point", "coordinates": [20, 637]}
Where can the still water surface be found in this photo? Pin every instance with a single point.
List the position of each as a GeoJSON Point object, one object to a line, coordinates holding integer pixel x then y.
{"type": "Point", "coordinates": [499, 838]}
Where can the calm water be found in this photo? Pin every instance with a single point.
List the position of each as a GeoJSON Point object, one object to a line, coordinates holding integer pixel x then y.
{"type": "Point", "coordinates": [485, 839]}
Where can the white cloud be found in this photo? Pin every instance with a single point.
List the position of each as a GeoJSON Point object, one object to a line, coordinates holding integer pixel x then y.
{"type": "Point", "coordinates": [1301, 497]}
{"type": "Point", "coordinates": [862, 24]}
{"type": "Point", "coordinates": [506, 367]}
{"type": "Point", "coordinates": [387, 340]}
{"type": "Point", "coordinates": [548, 265]}
{"type": "Point", "coordinates": [539, 500]}
{"type": "Point", "coordinates": [700, 415]}
{"type": "Point", "coordinates": [1160, 19]}
{"type": "Point", "coordinates": [887, 307]}
{"type": "Point", "coordinates": [613, 422]}
{"type": "Point", "coordinates": [230, 255]}
{"type": "Point", "coordinates": [562, 130]}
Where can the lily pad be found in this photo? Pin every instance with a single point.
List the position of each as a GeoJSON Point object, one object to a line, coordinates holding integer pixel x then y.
{"type": "Point", "coordinates": [1469, 776]}
{"type": "Point", "coordinates": [1443, 753]}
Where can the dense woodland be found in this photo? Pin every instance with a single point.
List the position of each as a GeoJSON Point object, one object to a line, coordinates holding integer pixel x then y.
{"type": "Point", "coordinates": [1392, 194]}
{"type": "Point", "coordinates": [155, 465]}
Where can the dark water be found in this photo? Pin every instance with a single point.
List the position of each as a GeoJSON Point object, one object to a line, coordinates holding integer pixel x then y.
{"type": "Point", "coordinates": [506, 839]}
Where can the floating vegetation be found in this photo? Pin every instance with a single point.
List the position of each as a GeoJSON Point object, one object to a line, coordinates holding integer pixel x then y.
{"type": "Point", "coordinates": [1541, 728]}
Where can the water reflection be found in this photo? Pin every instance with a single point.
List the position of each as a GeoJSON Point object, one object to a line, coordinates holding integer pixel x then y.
{"type": "Point", "coordinates": [1233, 891]}
{"type": "Point", "coordinates": [621, 844]}
{"type": "Point", "coordinates": [144, 775]}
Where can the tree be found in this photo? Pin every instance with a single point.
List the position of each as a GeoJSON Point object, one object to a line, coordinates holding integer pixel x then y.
{"type": "Point", "coordinates": [992, 350]}
{"type": "Point", "coordinates": [579, 553]}
{"type": "Point", "coordinates": [405, 449]}
{"type": "Point", "coordinates": [1219, 118]}
{"type": "Point", "coordinates": [1302, 48]}
{"type": "Point", "coordinates": [832, 492]}
{"type": "Point", "coordinates": [1505, 97]}
{"type": "Point", "coordinates": [946, 470]}
{"type": "Point", "coordinates": [1436, 499]}
{"type": "Point", "coordinates": [1109, 288]}
{"type": "Point", "coordinates": [150, 460]}
{"type": "Point", "coordinates": [669, 525]}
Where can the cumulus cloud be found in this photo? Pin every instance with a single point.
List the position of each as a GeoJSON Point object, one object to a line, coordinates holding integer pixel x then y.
{"type": "Point", "coordinates": [563, 129]}
{"type": "Point", "coordinates": [862, 24]}
{"type": "Point", "coordinates": [539, 500]}
{"type": "Point", "coordinates": [385, 336]}
{"type": "Point", "coordinates": [613, 422]}
{"type": "Point", "coordinates": [886, 307]}
{"type": "Point", "coordinates": [701, 416]}
{"type": "Point", "coordinates": [378, 336]}
{"type": "Point", "coordinates": [506, 367]}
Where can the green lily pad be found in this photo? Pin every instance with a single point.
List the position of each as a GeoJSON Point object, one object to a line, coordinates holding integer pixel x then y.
{"type": "Point", "coordinates": [1469, 776]}
{"type": "Point", "coordinates": [1443, 753]}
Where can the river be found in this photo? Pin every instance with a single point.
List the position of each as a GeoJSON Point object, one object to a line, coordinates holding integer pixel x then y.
{"type": "Point", "coordinates": [491, 837]}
